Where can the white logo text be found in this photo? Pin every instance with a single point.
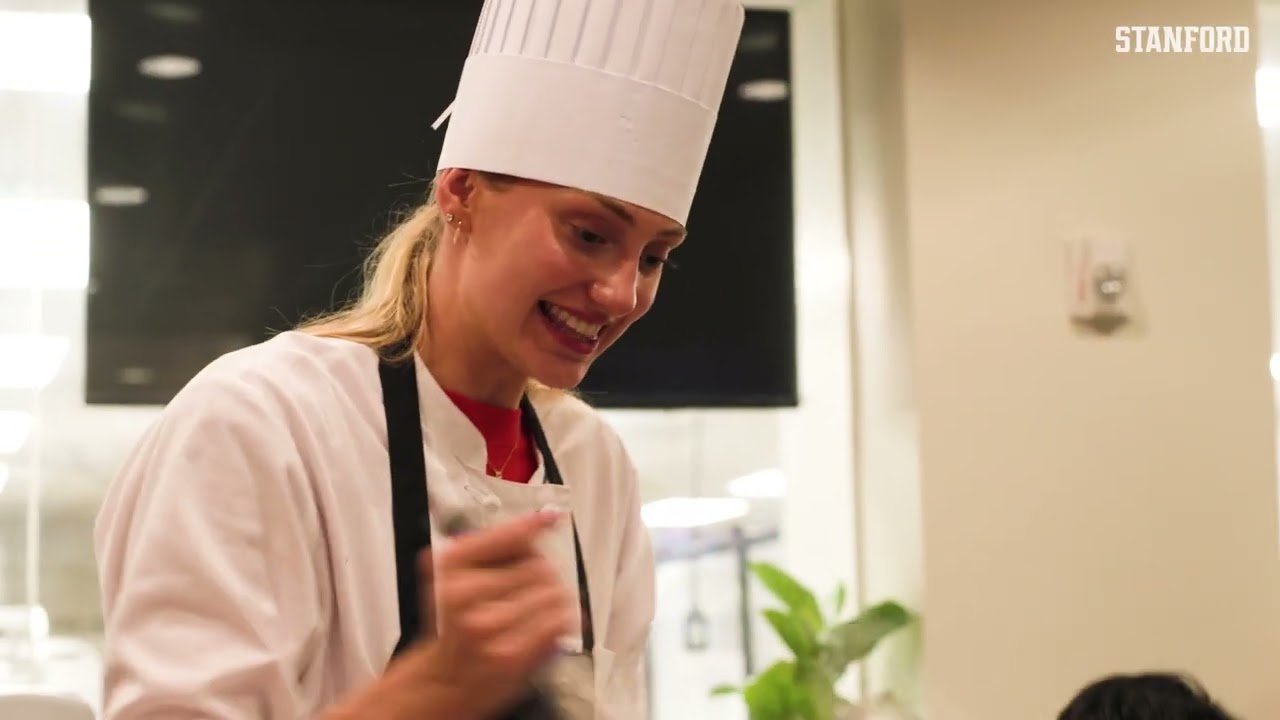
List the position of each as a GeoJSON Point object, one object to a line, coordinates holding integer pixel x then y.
{"type": "Point", "coordinates": [1182, 38]}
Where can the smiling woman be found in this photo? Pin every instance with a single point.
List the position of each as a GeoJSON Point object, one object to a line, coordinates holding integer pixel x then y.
{"type": "Point", "coordinates": [286, 505]}
{"type": "Point", "coordinates": [619, 247]}
{"type": "Point", "coordinates": [547, 276]}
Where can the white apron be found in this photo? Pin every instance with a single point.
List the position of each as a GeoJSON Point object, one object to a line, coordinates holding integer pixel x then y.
{"type": "Point", "coordinates": [576, 678]}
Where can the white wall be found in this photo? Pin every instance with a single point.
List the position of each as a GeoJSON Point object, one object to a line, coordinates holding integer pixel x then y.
{"type": "Point", "coordinates": [1268, 49]}
{"type": "Point", "coordinates": [1090, 504]}
{"type": "Point", "coordinates": [818, 530]}
{"type": "Point", "coordinates": [890, 562]}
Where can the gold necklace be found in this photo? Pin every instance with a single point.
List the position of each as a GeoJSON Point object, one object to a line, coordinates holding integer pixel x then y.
{"type": "Point", "coordinates": [498, 473]}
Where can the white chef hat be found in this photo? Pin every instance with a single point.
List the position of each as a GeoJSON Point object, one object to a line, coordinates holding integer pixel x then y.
{"type": "Point", "coordinates": [616, 97]}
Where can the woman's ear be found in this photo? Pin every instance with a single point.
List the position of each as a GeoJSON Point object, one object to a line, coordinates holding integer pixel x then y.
{"type": "Point", "coordinates": [455, 192]}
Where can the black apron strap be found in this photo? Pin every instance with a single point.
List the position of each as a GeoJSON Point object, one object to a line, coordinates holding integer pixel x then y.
{"type": "Point", "coordinates": [409, 512]}
{"type": "Point", "coordinates": [554, 478]}
{"type": "Point", "coordinates": [410, 516]}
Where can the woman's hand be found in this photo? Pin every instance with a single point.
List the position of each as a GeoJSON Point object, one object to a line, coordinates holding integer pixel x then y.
{"type": "Point", "coordinates": [502, 608]}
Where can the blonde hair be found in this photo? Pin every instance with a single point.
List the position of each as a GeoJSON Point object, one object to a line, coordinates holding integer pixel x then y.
{"type": "Point", "coordinates": [390, 313]}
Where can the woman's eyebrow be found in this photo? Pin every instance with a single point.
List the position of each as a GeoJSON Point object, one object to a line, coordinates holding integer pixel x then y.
{"type": "Point", "coordinates": [625, 215]}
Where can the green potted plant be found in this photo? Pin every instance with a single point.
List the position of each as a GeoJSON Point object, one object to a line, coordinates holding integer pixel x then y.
{"type": "Point", "coordinates": [824, 647]}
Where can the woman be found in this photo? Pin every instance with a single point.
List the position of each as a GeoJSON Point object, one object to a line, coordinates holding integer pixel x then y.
{"type": "Point", "coordinates": [261, 551]}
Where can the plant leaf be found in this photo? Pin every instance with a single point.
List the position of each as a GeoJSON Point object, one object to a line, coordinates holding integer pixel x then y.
{"type": "Point", "coordinates": [802, 704]}
{"type": "Point", "coordinates": [725, 690]}
{"type": "Point", "coordinates": [794, 633]}
{"type": "Point", "coordinates": [820, 694]}
{"type": "Point", "coordinates": [839, 601]}
{"type": "Point", "coordinates": [797, 598]}
{"type": "Point", "coordinates": [790, 691]}
{"type": "Point", "coordinates": [852, 641]}
{"type": "Point", "coordinates": [769, 696]}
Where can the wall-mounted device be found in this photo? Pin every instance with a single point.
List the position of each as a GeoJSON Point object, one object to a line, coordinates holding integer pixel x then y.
{"type": "Point", "coordinates": [1099, 287]}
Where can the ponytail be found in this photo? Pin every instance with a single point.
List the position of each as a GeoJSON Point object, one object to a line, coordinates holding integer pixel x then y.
{"type": "Point", "coordinates": [392, 306]}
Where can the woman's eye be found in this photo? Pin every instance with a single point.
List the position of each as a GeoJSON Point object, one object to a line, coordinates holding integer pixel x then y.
{"type": "Point", "coordinates": [657, 261]}
{"type": "Point", "coordinates": [589, 237]}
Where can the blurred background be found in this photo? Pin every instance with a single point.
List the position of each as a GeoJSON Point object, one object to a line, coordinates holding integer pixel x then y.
{"type": "Point", "coordinates": [897, 371]}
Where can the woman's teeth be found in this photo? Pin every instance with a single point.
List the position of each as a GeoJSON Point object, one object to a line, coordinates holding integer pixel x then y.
{"type": "Point", "coordinates": [586, 329]}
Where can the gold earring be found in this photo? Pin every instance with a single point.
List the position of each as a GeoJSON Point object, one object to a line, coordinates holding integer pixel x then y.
{"type": "Point", "coordinates": [448, 220]}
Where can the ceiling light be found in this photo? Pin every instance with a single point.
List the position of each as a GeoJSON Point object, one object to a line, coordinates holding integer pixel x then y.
{"type": "Point", "coordinates": [678, 512]}
{"type": "Point", "coordinates": [30, 362]}
{"type": "Point", "coordinates": [764, 90]}
{"type": "Point", "coordinates": [44, 243]}
{"type": "Point", "coordinates": [44, 52]}
{"type": "Point", "coordinates": [136, 376]}
{"type": "Point", "coordinates": [120, 195]}
{"type": "Point", "coordinates": [759, 41]}
{"type": "Point", "coordinates": [30, 622]}
{"type": "Point", "coordinates": [175, 12]}
{"type": "Point", "coordinates": [143, 112]}
{"type": "Point", "coordinates": [1267, 95]}
{"type": "Point", "coordinates": [769, 483]}
{"type": "Point", "coordinates": [169, 67]}
{"type": "Point", "coordinates": [15, 428]}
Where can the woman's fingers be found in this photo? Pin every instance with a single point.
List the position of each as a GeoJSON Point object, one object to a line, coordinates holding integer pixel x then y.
{"type": "Point", "coordinates": [499, 545]}
{"type": "Point", "coordinates": [538, 606]}
{"type": "Point", "coordinates": [502, 605]}
{"type": "Point", "coordinates": [469, 586]}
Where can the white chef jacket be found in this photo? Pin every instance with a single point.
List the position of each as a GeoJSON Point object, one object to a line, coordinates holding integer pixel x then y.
{"type": "Point", "coordinates": [246, 552]}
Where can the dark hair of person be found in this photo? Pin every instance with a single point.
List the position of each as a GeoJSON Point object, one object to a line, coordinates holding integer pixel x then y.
{"type": "Point", "coordinates": [1145, 696]}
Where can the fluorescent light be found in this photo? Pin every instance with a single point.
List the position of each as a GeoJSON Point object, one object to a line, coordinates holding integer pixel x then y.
{"type": "Point", "coordinates": [44, 243]}
{"type": "Point", "coordinates": [136, 376]}
{"type": "Point", "coordinates": [29, 622]}
{"type": "Point", "coordinates": [769, 483]}
{"type": "Point", "coordinates": [758, 41]}
{"type": "Point", "coordinates": [141, 111]}
{"type": "Point", "coordinates": [29, 362]}
{"type": "Point", "coordinates": [677, 512]}
{"type": "Point", "coordinates": [15, 428]}
{"type": "Point", "coordinates": [178, 13]}
{"type": "Point", "coordinates": [120, 195]}
{"type": "Point", "coordinates": [769, 90]}
{"type": "Point", "coordinates": [1267, 91]}
{"type": "Point", "coordinates": [169, 67]}
{"type": "Point", "coordinates": [44, 52]}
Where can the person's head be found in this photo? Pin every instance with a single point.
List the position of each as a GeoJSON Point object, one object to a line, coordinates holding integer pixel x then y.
{"type": "Point", "coordinates": [1146, 696]}
{"type": "Point", "coordinates": [574, 149]}
{"type": "Point", "coordinates": [534, 280]}
{"type": "Point", "coordinates": [540, 279]}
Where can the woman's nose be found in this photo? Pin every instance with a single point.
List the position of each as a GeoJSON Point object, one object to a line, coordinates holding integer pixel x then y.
{"type": "Point", "coordinates": [615, 293]}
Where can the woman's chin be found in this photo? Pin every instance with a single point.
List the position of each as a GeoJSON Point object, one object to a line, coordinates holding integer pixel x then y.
{"type": "Point", "coordinates": [560, 375]}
